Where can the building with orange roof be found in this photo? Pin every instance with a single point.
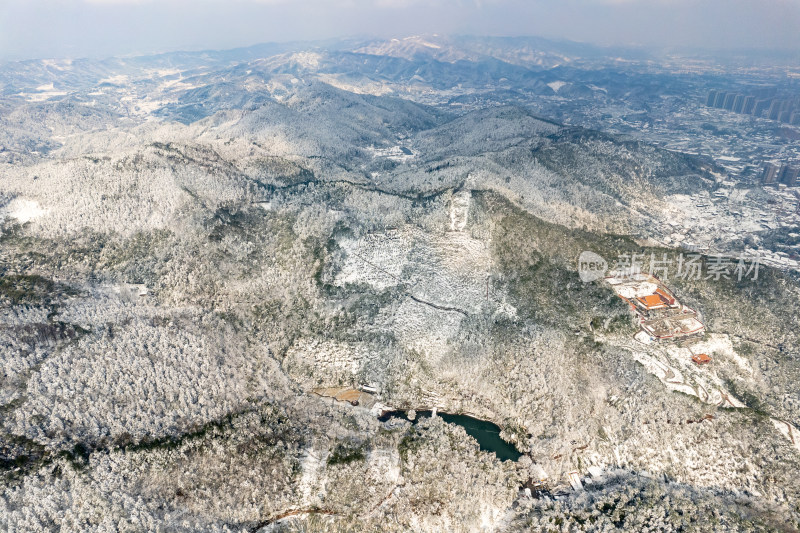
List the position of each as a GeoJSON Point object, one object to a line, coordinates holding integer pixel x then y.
{"type": "Point", "coordinates": [665, 296]}
{"type": "Point", "coordinates": [652, 301]}
{"type": "Point", "coordinates": [661, 315]}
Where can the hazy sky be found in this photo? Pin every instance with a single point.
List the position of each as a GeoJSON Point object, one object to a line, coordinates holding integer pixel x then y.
{"type": "Point", "coordinates": [77, 28]}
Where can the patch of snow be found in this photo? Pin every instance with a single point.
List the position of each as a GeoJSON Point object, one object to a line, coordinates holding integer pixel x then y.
{"type": "Point", "coordinates": [595, 471]}
{"type": "Point", "coordinates": [24, 210]}
{"type": "Point", "coordinates": [58, 64]}
{"type": "Point", "coordinates": [721, 345]}
{"type": "Point", "coordinates": [41, 96]}
{"type": "Point", "coordinates": [310, 465]}
{"type": "Point", "coordinates": [575, 480]}
{"type": "Point", "coordinates": [643, 289]}
{"type": "Point", "coordinates": [689, 379]}
{"type": "Point", "coordinates": [119, 79]}
{"type": "Point", "coordinates": [429, 45]}
{"type": "Point", "coordinates": [788, 431]}
{"type": "Point", "coordinates": [307, 59]}
{"type": "Point", "coordinates": [459, 210]}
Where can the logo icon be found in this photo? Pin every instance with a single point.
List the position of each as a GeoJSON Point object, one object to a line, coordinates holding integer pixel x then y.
{"type": "Point", "coordinates": [591, 267]}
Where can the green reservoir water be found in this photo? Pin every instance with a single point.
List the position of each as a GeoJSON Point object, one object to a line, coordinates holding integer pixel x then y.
{"type": "Point", "coordinates": [486, 433]}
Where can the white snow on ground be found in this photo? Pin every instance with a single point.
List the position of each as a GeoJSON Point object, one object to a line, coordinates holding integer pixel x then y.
{"type": "Point", "coordinates": [429, 45]}
{"type": "Point", "coordinates": [643, 289]}
{"type": "Point", "coordinates": [490, 516]}
{"type": "Point", "coordinates": [115, 80]}
{"type": "Point", "coordinates": [308, 60]}
{"type": "Point", "coordinates": [789, 431]}
{"type": "Point", "coordinates": [41, 96]}
{"type": "Point", "coordinates": [337, 358]}
{"type": "Point", "coordinates": [425, 329]}
{"type": "Point", "coordinates": [24, 210]}
{"type": "Point", "coordinates": [387, 464]}
{"type": "Point", "coordinates": [393, 153]}
{"type": "Point", "coordinates": [668, 376]}
{"type": "Point", "coordinates": [459, 210]}
{"type": "Point", "coordinates": [718, 345]}
{"type": "Point", "coordinates": [166, 72]}
{"type": "Point", "coordinates": [708, 222]}
{"type": "Point", "coordinates": [58, 64]}
{"type": "Point", "coordinates": [178, 85]}
{"type": "Point", "coordinates": [309, 487]}
{"type": "Point", "coordinates": [556, 85]}
{"type": "Point", "coordinates": [376, 258]}
{"type": "Point", "coordinates": [357, 87]}
{"type": "Point", "coordinates": [449, 270]}
{"type": "Point", "coordinates": [674, 367]}
{"type": "Point", "coordinates": [141, 106]}
{"type": "Point", "coordinates": [445, 277]}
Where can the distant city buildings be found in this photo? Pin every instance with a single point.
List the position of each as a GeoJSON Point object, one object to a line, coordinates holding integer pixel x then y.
{"type": "Point", "coordinates": [764, 103]}
{"type": "Point", "coordinates": [770, 175]}
{"type": "Point", "coordinates": [749, 104]}
{"type": "Point", "coordinates": [738, 103]}
{"type": "Point", "coordinates": [789, 175]}
{"type": "Point", "coordinates": [728, 101]}
{"type": "Point", "coordinates": [774, 174]}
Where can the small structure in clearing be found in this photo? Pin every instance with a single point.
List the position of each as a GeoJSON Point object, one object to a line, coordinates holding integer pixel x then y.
{"type": "Point", "coordinates": [347, 394]}
{"type": "Point", "coordinates": [701, 359]}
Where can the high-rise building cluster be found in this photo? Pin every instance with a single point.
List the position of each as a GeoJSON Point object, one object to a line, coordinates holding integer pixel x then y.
{"type": "Point", "coordinates": [762, 103]}
{"type": "Point", "coordinates": [787, 174]}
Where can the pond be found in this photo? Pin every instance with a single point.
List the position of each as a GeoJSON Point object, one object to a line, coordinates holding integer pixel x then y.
{"type": "Point", "coordinates": [486, 433]}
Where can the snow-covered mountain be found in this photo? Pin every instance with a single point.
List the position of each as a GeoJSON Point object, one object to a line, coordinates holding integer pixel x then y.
{"type": "Point", "coordinates": [200, 252]}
